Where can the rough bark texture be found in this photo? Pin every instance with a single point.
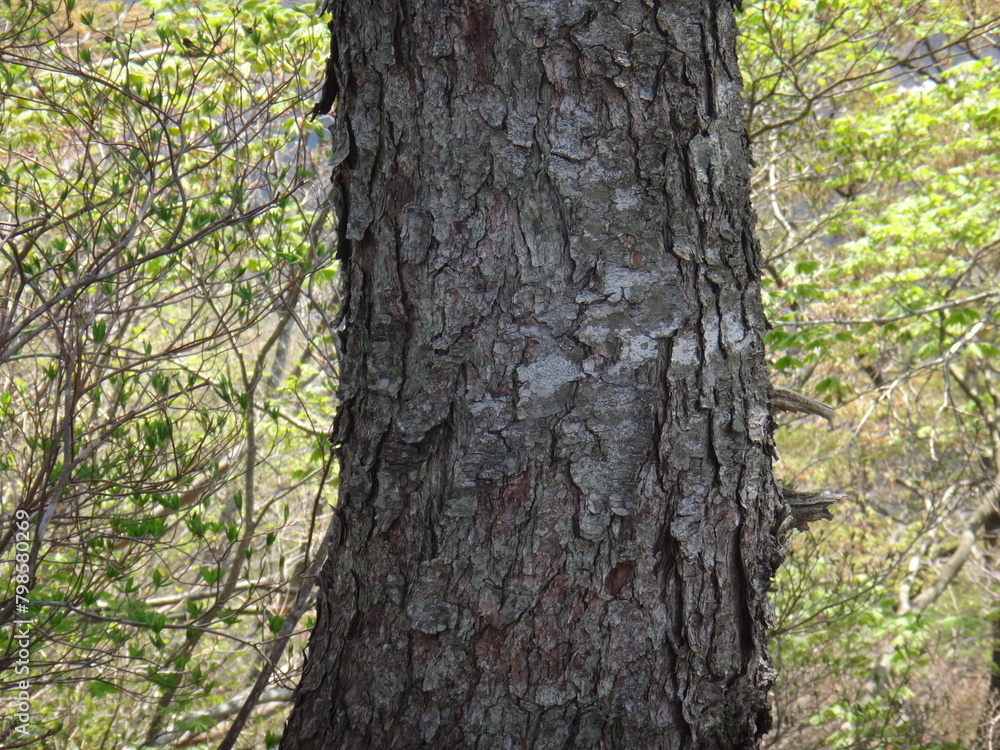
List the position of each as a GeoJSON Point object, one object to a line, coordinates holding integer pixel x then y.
{"type": "Point", "coordinates": [557, 514]}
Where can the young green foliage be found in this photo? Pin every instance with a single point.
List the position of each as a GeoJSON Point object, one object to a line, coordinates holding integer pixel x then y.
{"type": "Point", "coordinates": [874, 128]}
{"type": "Point", "coordinates": [160, 236]}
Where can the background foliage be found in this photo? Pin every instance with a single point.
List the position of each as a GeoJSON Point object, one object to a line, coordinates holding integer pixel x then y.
{"type": "Point", "coordinates": [875, 128]}
{"type": "Point", "coordinates": [166, 296]}
{"type": "Point", "coordinates": [164, 286]}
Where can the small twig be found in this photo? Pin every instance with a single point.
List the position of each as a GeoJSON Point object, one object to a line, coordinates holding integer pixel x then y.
{"type": "Point", "coordinates": [785, 399]}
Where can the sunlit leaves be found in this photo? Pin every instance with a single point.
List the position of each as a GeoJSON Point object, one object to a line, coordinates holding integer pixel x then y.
{"type": "Point", "coordinates": [875, 129]}
{"type": "Point", "coordinates": [153, 206]}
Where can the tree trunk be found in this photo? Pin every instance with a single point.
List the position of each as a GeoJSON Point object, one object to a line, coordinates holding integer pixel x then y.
{"type": "Point", "coordinates": [557, 519]}
{"type": "Point", "coordinates": [988, 734]}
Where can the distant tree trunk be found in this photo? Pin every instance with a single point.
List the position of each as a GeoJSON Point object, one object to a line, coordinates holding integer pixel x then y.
{"type": "Point", "coordinates": [557, 516]}
{"type": "Point", "coordinates": [988, 736]}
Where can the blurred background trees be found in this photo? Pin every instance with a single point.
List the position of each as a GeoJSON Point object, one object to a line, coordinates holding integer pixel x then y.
{"type": "Point", "coordinates": [875, 128]}
{"type": "Point", "coordinates": [166, 373]}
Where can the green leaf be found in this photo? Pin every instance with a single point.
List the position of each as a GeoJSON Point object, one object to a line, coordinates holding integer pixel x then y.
{"type": "Point", "coordinates": [210, 575]}
{"type": "Point", "coordinates": [788, 362]}
{"type": "Point", "coordinates": [101, 689]}
{"type": "Point", "coordinates": [806, 267]}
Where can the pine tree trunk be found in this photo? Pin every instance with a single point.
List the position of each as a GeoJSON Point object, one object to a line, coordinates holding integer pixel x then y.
{"type": "Point", "coordinates": [557, 518]}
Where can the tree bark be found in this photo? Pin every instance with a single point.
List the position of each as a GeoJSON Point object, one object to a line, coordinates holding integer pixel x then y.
{"type": "Point", "coordinates": [557, 519]}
